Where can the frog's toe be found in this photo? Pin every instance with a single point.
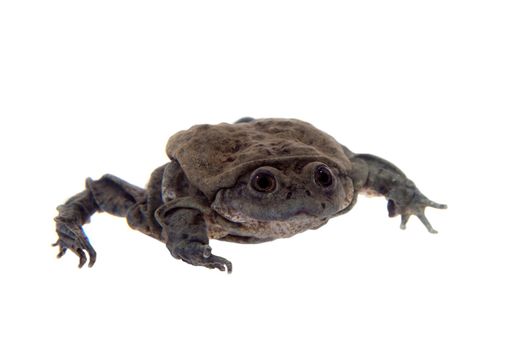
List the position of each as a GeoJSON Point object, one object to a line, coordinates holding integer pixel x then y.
{"type": "Point", "coordinates": [72, 237]}
{"type": "Point", "coordinates": [416, 206]}
{"type": "Point", "coordinates": [425, 222]}
{"type": "Point", "coordinates": [199, 254]}
{"type": "Point", "coordinates": [404, 220]}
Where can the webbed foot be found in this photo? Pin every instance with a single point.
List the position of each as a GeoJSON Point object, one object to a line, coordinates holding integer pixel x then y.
{"type": "Point", "coordinates": [71, 236]}
{"type": "Point", "coordinates": [399, 205]}
{"type": "Point", "coordinates": [199, 254]}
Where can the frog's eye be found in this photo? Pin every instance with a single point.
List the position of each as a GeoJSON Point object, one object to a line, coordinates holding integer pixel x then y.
{"type": "Point", "coordinates": [323, 176]}
{"type": "Point", "coordinates": [263, 181]}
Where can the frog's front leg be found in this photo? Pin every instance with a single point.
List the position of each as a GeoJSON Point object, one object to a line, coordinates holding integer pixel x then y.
{"type": "Point", "coordinates": [404, 198]}
{"type": "Point", "coordinates": [185, 232]}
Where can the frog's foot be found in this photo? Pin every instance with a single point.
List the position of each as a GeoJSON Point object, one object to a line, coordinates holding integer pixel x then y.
{"type": "Point", "coordinates": [415, 207]}
{"type": "Point", "coordinates": [71, 236]}
{"type": "Point", "coordinates": [199, 254]}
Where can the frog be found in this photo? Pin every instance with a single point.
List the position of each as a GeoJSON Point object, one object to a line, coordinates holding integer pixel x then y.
{"type": "Point", "coordinates": [252, 181]}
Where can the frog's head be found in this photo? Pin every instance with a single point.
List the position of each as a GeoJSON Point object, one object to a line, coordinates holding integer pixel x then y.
{"type": "Point", "coordinates": [281, 191]}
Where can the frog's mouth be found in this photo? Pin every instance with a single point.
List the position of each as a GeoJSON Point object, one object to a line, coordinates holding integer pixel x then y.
{"type": "Point", "coordinates": [230, 214]}
{"type": "Point", "coordinates": [301, 215]}
{"type": "Point", "coordinates": [240, 216]}
{"type": "Point", "coordinates": [255, 231]}
{"type": "Point", "coordinates": [348, 207]}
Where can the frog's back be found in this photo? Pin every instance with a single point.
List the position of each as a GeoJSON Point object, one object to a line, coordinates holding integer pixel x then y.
{"type": "Point", "coordinates": [214, 156]}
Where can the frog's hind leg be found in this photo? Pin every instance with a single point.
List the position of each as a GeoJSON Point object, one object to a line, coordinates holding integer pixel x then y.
{"type": "Point", "coordinates": [114, 195]}
{"type": "Point", "coordinates": [108, 194]}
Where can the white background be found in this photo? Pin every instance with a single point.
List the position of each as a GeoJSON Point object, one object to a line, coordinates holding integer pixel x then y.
{"type": "Point", "coordinates": [88, 88]}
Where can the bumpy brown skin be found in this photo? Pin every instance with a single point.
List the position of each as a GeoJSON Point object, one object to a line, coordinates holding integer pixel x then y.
{"type": "Point", "coordinates": [214, 156]}
{"type": "Point", "coordinates": [248, 182]}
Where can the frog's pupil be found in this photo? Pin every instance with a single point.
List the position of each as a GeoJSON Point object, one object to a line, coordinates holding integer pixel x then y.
{"type": "Point", "coordinates": [264, 182]}
{"type": "Point", "coordinates": [323, 176]}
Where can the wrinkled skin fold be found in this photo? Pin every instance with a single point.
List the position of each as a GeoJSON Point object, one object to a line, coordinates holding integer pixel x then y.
{"type": "Point", "coordinates": [249, 182]}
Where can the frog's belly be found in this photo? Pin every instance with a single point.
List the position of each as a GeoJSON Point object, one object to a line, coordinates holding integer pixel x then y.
{"type": "Point", "coordinates": [254, 231]}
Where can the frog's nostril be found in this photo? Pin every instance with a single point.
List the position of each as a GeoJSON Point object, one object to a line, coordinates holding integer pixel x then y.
{"type": "Point", "coordinates": [308, 193]}
{"type": "Point", "coordinates": [289, 195]}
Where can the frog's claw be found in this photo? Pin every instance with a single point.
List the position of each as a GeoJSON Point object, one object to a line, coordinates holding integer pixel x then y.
{"type": "Point", "coordinates": [108, 194]}
{"type": "Point", "coordinates": [199, 254]}
{"type": "Point", "coordinates": [71, 236]}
